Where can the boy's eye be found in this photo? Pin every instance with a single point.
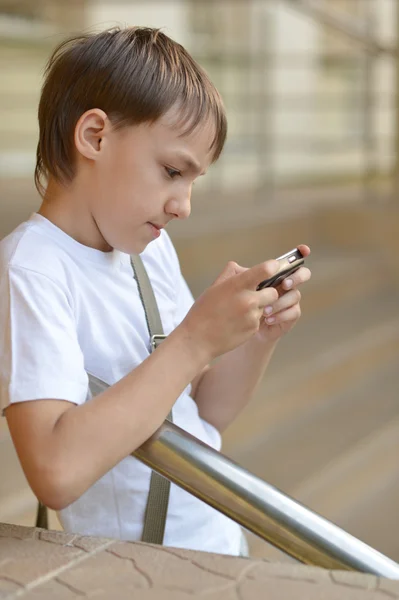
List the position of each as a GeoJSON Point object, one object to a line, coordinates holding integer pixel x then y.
{"type": "Point", "coordinates": [172, 172]}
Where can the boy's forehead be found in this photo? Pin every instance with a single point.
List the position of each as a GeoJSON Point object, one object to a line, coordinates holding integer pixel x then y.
{"type": "Point", "coordinates": [179, 133]}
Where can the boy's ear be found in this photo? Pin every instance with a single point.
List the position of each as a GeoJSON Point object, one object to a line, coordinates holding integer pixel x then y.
{"type": "Point", "coordinates": [90, 130]}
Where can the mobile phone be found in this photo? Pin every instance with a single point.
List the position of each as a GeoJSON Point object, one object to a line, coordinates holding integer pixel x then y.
{"type": "Point", "coordinates": [290, 263]}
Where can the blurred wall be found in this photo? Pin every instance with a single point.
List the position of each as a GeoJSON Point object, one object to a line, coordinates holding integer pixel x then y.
{"type": "Point", "coordinates": [305, 104]}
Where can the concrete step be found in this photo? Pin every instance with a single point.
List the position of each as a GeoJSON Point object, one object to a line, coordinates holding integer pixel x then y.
{"type": "Point", "coordinates": [359, 489]}
{"type": "Point", "coordinates": [287, 457]}
{"type": "Point", "coordinates": [336, 490]}
{"type": "Point", "coordinates": [323, 355]}
{"type": "Point", "coordinates": [338, 276]}
{"type": "Point", "coordinates": [341, 462]}
{"type": "Point", "coordinates": [376, 516]}
{"type": "Point", "coordinates": [373, 226]}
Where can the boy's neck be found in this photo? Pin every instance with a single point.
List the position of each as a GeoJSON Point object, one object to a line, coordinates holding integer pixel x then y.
{"type": "Point", "coordinates": [67, 209]}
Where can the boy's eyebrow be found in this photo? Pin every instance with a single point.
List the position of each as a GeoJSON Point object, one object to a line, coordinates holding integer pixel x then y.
{"type": "Point", "coordinates": [190, 163]}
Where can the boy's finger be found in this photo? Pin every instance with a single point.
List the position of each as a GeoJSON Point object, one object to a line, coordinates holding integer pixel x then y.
{"type": "Point", "coordinates": [284, 302]}
{"type": "Point", "coordinates": [301, 276]}
{"type": "Point", "coordinates": [231, 269]}
{"type": "Point", "coordinates": [255, 275]}
{"type": "Point", "coordinates": [267, 297]}
{"type": "Point", "coordinates": [304, 250]}
{"type": "Point", "coordinates": [290, 314]}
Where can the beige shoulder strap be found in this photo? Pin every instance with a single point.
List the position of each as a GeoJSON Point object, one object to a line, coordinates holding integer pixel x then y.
{"type": "Point", "coordinates": [158, 497]}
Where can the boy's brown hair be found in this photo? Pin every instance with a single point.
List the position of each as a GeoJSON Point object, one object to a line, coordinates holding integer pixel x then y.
{"type": "Point", "coordinates": [135, 75]}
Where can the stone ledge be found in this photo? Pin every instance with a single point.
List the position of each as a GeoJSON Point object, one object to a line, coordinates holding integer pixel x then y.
{"type": "Point", "coordinates": [37, 564]}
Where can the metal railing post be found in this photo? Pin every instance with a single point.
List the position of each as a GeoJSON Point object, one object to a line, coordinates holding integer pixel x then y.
{"type": "Point", "coordinates": [256, 505]}
{"type": "Point", "coordinates": [321, 12]}
{"type": "Point", "coordinates": [369, 62]}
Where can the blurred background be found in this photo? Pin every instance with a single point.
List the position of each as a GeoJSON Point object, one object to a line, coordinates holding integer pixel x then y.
{"type": "Point", "coordinates": [311, 90]}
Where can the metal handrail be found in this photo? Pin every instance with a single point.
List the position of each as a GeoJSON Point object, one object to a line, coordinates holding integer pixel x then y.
{"type": "Point", "coordinates": [256, 505]}
{"type": "Point", "coordinates": [318, 10]}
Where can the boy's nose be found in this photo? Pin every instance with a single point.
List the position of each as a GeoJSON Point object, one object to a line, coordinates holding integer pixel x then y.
{"type": "Point", "coordinates": [185, 209]}
{"type": "Point", "coordinates": [180, 207]}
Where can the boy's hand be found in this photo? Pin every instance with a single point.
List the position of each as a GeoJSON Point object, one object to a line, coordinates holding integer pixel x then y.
{"type": "Point", "coordinates": [285, 312]}
{"type": "Point", "coordinates": [231, 311]}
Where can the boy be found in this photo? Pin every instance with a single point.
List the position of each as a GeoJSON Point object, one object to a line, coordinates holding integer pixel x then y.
{"type": "Point", "coordinates": [127, 122]}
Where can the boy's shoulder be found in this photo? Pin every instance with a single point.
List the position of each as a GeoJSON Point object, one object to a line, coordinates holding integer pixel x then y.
{"type": "Point", "coordinates": [28, 248]}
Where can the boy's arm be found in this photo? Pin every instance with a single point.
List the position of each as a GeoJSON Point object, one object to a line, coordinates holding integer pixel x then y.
{"type": "Point", "coordinates": [197, 379]}
{"type": "Point", "coordinates": [65, 448]}
{"type": "Point", "coordinates": [223, 390]}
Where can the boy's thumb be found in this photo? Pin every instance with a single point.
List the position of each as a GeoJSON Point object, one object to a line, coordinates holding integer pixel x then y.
{"type": "Point", "coordinates": [260, 272]}
{"type": "Point", "coordinates": [231, 269]}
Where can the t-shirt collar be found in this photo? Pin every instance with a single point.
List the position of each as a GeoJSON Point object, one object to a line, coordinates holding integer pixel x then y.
{"type": "Point", "coordinates": [80, 251]}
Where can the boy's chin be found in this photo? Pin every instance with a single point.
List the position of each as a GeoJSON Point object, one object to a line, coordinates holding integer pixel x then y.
{"type": "Point", "coordinates": [137, 247]}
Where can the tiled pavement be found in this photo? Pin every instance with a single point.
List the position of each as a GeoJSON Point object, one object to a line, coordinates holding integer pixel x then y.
{"type": "Point", "coordinates": [40, 565]}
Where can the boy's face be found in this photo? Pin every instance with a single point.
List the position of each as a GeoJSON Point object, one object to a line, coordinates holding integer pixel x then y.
{"type": "Point", "coordinates": [143, 178]}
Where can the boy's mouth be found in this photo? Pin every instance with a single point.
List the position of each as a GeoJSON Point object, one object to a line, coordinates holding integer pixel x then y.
{"type": "Point", "coordinates": [156, 229]}
{"type": "Point", "coordinates": [159, 227]}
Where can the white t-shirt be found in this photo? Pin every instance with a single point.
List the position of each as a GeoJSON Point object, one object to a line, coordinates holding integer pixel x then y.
{"type": "Point", "coordinates": [67, 310]}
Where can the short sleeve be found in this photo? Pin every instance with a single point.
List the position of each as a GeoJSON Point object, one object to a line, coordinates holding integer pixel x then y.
{"type": "Point", "coordinates": [39, 349]}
